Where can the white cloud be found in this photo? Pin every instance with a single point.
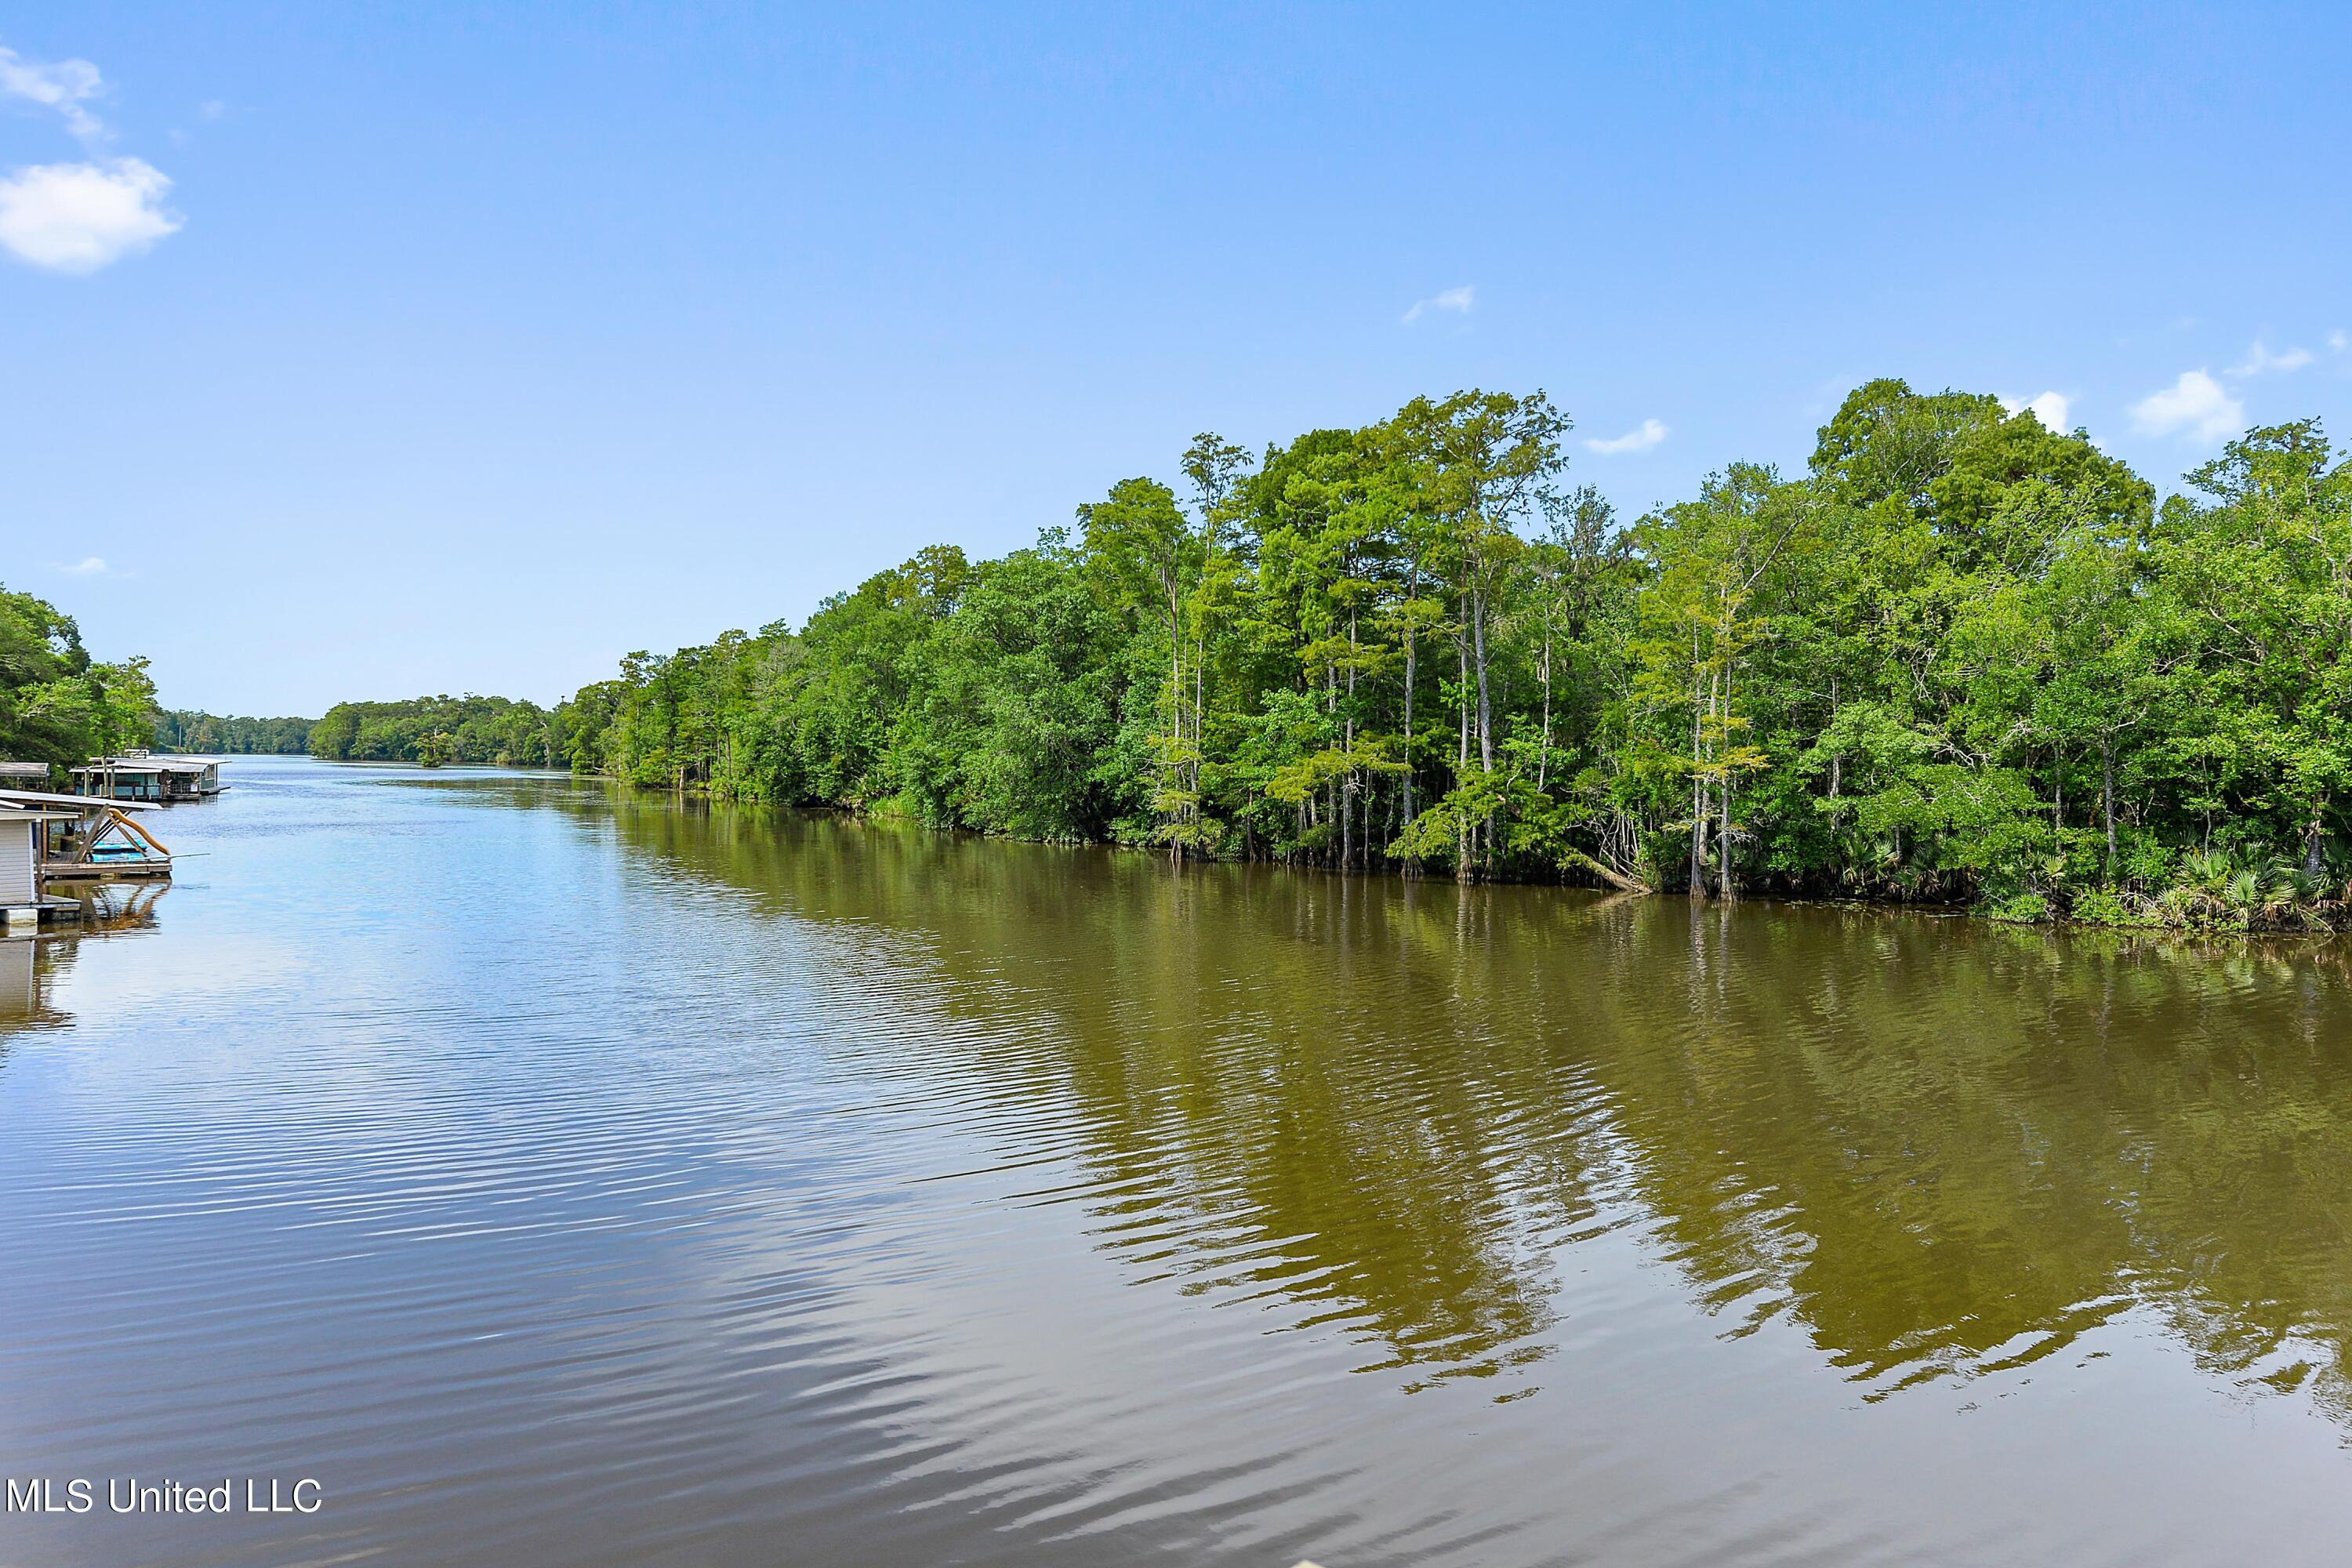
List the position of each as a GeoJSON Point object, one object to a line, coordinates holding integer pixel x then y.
{"type": "Point", "coordinates": [2260, 359]}
{"type": "Point", "coordinates": [64, 86]}
{"type": "Point", "coordinates": [2049, 408]}
{"type": "Point", "coordinates": [2337, 343]}
{"type": "Point", "coordinates": [1641, 439]}
{"type": "Point", "coordinates": [2195, 403]}
{"type": "Point", "coordinates": [87, 566]}
{"type": "Point", "coordinates": [77, 217]}
{"type": "Point", "coordinates": [1457, 300]}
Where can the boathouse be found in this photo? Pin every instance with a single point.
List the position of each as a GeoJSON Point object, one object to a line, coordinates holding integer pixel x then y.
{"type": "Point", "coordinates": [21, 852]}
{"type": "Point", "coordinates": [26, 830]}
{"type": "Point", "coordinates": [144, 776]}
{"type": "Point", "coordinates": [69, 839]}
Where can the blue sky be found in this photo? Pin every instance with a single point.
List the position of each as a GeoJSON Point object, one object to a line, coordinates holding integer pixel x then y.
{"type": "Point", "coordinates": [444, 348]}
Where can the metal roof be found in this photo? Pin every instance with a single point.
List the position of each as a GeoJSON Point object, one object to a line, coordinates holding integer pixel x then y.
{"type": "Point", "coordinates": [78, 802]}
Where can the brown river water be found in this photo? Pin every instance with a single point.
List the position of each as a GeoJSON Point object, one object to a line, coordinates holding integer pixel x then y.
{"type": "Point", "coordinates": [557, 1177]}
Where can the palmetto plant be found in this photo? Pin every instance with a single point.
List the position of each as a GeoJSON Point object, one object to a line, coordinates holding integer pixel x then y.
{"type": "Point", "coordinates": [2249, 888]}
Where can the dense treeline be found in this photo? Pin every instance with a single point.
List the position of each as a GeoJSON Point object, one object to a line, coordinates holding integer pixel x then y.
{"type": "Point", "coordinates": [57, 705]}
{"type": "Point", "coordinates": [1961, 657]}
{"type": "Point", "coordinates": [180, 730]}
{"type": "Point", "coordinates": [432, 730]}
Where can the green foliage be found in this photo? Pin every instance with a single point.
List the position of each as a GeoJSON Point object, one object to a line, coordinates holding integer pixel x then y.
{"type": "Point", "coordinates": [2019, 908]}
{"type": "Point", "coordinates": [57, 704]}
{"type": "Point", "coordinates": [437, 729]}
{"type": "Point", "coordinates": [2104, 907]}
{"type": "Point", "coordinates": [179, 730]}
{"type": "Point", "coordinates": [1962, 657]}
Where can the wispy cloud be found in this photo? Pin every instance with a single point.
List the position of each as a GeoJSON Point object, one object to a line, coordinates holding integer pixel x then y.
{"type": "Point", "coordinates": [87, 566]}
{"type": "Point", "coordinates": [210, 109]}
{"type": "Point", "coordinates": [2195, 403]}
{"type": "Point", "coordinates": [2259, 359]}
{"type": "Point", "coordinates": [76, 217]}
{"type": "Point", "coordinates": [2051, 408]}
{"type": "Point", "coordinates": [2337, 343]}
{"type": "Point", "coordinates": [64, 86]}
{"type": "Point", "coordinates": [1648, 433]}
{"type": "Point", "coordinates": [1459, 301]}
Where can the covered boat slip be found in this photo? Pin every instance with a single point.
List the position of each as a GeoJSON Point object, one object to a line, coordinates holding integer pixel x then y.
{"type": "Point", "coordinates": [146, 777]}
{"type": "Point", "coordinates": [50, 838]}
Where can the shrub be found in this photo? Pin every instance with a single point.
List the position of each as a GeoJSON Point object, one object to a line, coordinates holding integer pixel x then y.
{"type": "Point", "coordinates": [2109, 908]}
{"type": "Point", "coordinates": [2019, 908]}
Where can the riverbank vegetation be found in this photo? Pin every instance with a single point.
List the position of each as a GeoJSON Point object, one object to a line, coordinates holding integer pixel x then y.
{"type": "Point", "coordinates": [181, 730]}
{"type": "Point", "coordinates": [59, 705]}
{"type": "Point", "coordinates": [432, 730]}
{"type": "Point", "coordinates": [1960, 658]}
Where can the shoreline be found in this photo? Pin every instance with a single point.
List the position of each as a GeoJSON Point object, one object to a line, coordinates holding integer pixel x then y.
{"type": "Point", "coordinates": [1989, 912]}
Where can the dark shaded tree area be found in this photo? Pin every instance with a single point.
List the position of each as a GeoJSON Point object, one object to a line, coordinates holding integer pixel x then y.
{"type": "Point", "coordinates": [432, 731]}
{"type": "Point", "coordinates": [180, 730]}
{"type": "Point", "coordinates": [1962, 657]}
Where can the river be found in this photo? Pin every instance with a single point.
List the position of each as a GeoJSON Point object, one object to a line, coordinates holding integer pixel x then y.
{"type": "Point", "coordinates": [555, 1176]}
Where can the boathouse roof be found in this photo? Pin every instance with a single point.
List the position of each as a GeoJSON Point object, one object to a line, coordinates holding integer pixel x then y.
{"type": "Point", "coordinates": [145, 765]}
{"type": "Point", "coordinates": [80, 803]}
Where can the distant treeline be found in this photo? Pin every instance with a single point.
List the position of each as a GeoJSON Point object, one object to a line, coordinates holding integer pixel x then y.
{"type": "Point", "coordinates": [1961, 657]}
{"type": "Point", "coordinates": [57, 705]}
{"type": "Point", "coordinates": [179, 730]}
{"type": "Point", "coordinates": [436, 730]}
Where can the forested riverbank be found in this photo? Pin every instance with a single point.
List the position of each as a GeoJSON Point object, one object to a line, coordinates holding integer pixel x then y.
{"type": "Point", "coordinates": [1962, 657]}
{"type": "Point", "coordinates": [181, 730]}
{"type": "Point", "coordinates": [434, 730]}
{"type": "Point", "coordinates": [58, 704]}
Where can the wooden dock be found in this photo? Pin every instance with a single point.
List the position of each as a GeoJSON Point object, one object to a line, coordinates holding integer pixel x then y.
{"type": "Point", "coordinates": [72, 839]}
{"type": "Point", "coordinates": [152, 870]}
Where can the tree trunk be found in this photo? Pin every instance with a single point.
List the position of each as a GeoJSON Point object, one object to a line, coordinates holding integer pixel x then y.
{"type": "Point", "coordinates": [1543, 758]}
{"type": "Point", "coordinates": [1726, 882]}
{"type": "Point", "coordinates": [1462, 654]}
{"type": "Point", "coordinates": [1486, 710]}
{"type": "Point", "coordinates": [1698, 780]}
{"type": "Point", "coordinates": [1606, 872]}
{"type": "Point", "coordinates": [1462, 763]}
{"type": "Point", "coordinates": [1174, 773]}
{"type": "Point", "coordinates": [1200, 742]}
{"type": "Point", "coordinates": [1837, 759]}
{"type": "Point", "coordinates": [1411, 665]}
{"type": "Point", "coordinates": [1348, 783]}
{"type": "Point", "coordinates": [2107, 798]}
